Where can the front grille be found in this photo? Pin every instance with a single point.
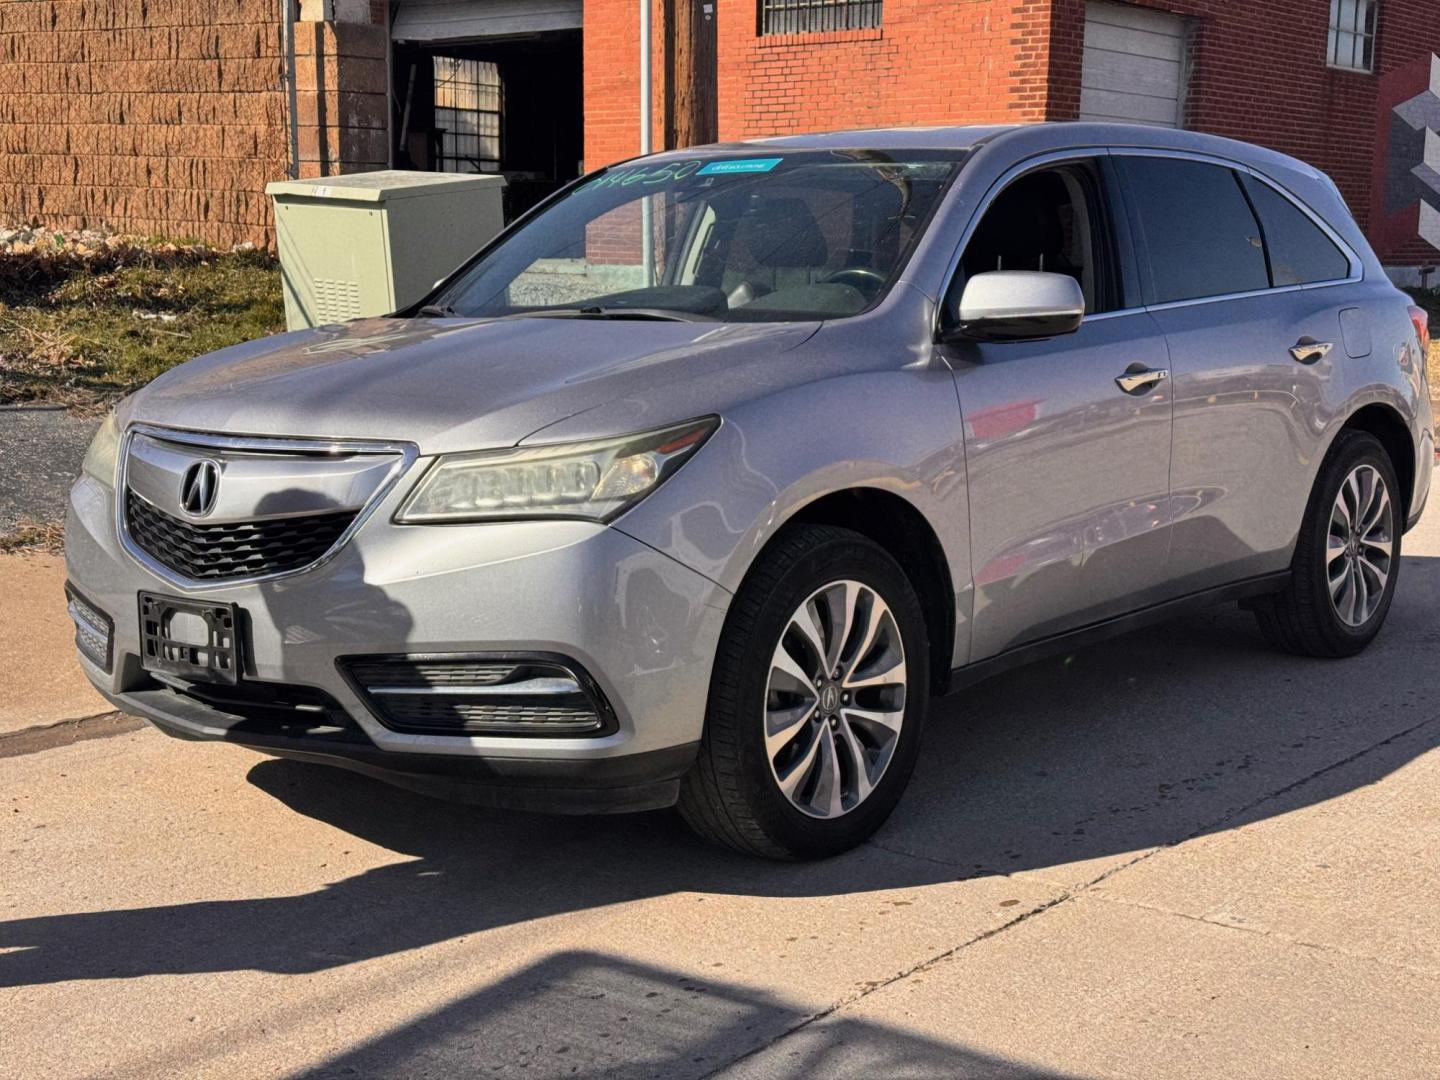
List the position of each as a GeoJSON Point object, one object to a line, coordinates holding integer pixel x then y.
{"type": "Point", "coordinates": [215, 551]}
{"type": "Point", "coordinates": [467, 695]}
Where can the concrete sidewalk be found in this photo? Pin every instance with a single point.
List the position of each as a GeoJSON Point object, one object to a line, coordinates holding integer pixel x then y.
{"type": "Point", "coordinates": [41, 681]}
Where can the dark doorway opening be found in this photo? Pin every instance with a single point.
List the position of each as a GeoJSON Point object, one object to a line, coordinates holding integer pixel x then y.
{"type": "Point", "coordinates": [510, 105]}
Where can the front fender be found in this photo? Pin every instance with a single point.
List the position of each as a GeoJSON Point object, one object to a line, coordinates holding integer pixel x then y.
{"type": "Point", "coordinates": [896, 431]}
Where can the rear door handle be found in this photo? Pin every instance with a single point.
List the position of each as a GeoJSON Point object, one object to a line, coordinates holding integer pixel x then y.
{"type": "Point", "coordinates": [1134, 381]}
{"type": "Point", "coordinates": [1308, 350]}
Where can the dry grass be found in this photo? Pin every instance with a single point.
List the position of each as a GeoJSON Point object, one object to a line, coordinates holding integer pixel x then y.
{"type": "Point", "coordinates": [32, 536]}
{"type": "Point", "coordinates": [83, 321]}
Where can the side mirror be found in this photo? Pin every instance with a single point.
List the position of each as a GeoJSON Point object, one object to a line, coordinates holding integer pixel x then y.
{"type": "Point", "coordinates": [1017, 305]}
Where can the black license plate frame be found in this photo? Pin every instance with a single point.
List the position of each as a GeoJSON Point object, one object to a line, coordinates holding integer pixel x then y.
{"type": "Point", "coordinates": [217, 660]}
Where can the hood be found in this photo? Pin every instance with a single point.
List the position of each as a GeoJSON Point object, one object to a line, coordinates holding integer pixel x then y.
{"type": "Point", "coordinates": [448, 384]}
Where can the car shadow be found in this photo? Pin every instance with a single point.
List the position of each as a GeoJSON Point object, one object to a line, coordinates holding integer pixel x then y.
{"type": "Point", "coordinates": [1136, 743]}
{"type": "Point", "coordinates": [589, 1015]}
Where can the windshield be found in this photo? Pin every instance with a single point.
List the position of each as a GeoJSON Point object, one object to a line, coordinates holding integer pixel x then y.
{"type": "Point", "coordinates": [810, 235]}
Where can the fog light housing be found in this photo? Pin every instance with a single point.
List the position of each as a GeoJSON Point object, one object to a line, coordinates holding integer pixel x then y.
{"type": "Point", "coordinates": [94, 632]}
{"type": "Point", "coordinates": [530, 694]}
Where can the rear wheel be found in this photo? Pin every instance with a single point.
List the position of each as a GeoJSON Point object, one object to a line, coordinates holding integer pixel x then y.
{"type": "Point", "coordinates": [817, 700]}
{"type": "Point", "coordinates": [1346, 558]}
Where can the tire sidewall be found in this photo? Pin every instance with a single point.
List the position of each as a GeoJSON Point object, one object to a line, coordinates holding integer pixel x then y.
{"type": "Point", "coordinates": [1362, 449]}
{"type": "Point", "coordinates": [833, 560]}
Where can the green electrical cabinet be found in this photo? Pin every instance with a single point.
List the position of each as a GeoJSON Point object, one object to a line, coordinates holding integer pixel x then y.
{"type": "Point", "coordinates": [370, 243]}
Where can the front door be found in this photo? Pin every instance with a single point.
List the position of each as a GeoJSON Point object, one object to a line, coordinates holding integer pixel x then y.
{"type": "Point", "coordinates": [1068, 471]}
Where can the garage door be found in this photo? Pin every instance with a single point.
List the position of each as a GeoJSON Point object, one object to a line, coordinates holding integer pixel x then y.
{"type": "Point", "coordinates": [1134, 68]}
{"type": "Point", "coordinates": [461, 20]}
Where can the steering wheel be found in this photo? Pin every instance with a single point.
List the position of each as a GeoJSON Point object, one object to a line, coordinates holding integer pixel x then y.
{"type": "Point", "coordinates": [859, 277]}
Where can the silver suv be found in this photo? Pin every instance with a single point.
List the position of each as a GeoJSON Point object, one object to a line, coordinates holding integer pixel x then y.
{"type": "Point", "coordinates": [700, 481]}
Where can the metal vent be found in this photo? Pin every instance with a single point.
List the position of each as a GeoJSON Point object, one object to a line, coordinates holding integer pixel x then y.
{"type": "Point", "coordinates": [336, 300]}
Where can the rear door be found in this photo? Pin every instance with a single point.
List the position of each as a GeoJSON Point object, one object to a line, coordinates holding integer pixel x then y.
{"type": "Point", "coordinates": [1243, 282]}
{"type": "Point", "coordinates": [1068, 473]}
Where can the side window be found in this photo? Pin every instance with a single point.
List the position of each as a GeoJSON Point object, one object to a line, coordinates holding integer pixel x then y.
{"type": "Point", "coordinates": [1300, 252]}
{"type": "Point", "coordinates": [1048, 220]}
{"type": "Point", "coordinates": [1197, 226]}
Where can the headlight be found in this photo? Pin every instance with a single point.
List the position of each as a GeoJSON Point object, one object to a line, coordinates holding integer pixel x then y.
{"type": "Point", "coordinates": [100, 459]}
{"type": "Point", "coordinates": [597, 480]}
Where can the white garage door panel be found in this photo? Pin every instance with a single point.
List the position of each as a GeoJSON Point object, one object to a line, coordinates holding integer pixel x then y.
{"type": "Point", "coordinates": [1136, 74]}
{"type": "Point", "coordinates": [1130, 18]}
{"type": "Point", "coordinates": [1134, 65]}
{"type": "Point", "coordinates": [1107, 105]}
{"type": "Point", "coordinates": [1133, 42]}
{"type": "Point", "coordinates": [459, 20]}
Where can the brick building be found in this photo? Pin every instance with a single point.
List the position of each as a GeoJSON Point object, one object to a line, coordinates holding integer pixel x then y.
{"type": "Point", "coordinates": [168, 116]}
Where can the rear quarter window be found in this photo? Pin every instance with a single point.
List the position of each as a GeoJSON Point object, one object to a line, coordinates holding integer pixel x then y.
{"type": "Point", "coordinates": [1197, 227]}
{"type": "Point", "coordinates": [1300, 252]}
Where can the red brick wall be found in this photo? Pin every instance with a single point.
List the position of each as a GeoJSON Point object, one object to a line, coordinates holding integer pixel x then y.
{"type": "Point", "coordinates": [932, 62]}
{"type": "Point", "coordinates": [163, 118]}
{"type": "Point", "coordinates": [1258, 73]}
{"type": "Point", "coordinates": [611, 57]}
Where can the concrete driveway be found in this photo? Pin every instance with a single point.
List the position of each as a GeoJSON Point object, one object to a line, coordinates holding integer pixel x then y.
{"type": "Point", "coordinates": [1173, 855]}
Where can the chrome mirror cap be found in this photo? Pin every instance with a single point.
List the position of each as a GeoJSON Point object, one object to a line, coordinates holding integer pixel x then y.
{"type": "Point", "coordinates": [1016, 305]}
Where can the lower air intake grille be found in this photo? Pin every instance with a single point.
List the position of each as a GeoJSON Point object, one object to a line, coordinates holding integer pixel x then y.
{"type": "Point", "coordinates": [214, 551]}
{"type": "Point", "coordinates": [481, 696]}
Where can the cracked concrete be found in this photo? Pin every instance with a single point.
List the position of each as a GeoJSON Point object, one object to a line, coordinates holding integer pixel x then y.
{"type": "Point", "coordinates": [1171, 855]}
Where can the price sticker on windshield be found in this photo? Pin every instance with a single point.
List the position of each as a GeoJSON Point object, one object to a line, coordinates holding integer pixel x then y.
{"type": "Point", "coordinates": [740, 165]}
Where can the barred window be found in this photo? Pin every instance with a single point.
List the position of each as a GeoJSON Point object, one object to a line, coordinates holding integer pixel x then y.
{"type": "Point", "coordinates": [818, 16]}
{"type": "Point", "coordinates": [467, 115]}
{"type": "Point", "coordinates": [1352, 34]}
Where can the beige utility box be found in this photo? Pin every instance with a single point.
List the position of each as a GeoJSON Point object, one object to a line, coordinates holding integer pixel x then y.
{"type": "Point", "coordinates": [370, 243]}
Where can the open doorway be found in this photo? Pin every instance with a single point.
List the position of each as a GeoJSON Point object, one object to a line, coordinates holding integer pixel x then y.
{"type": "Point", "coordinates": [467, 99]}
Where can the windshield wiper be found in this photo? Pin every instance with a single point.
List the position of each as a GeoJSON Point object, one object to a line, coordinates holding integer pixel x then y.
{"type": "Point", "coordinates": [651, 314]}
{"type": "Point", "coordinates": [437, 311]}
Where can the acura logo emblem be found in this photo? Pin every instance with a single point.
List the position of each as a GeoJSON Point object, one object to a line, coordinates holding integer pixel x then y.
{"type": "Point", "coordinates": [199, 488]}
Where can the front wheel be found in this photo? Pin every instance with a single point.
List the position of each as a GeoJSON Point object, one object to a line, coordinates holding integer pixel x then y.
{"type": "Point", "coordinates": [1347, 556]}
{"type": "Point", "coordinates": [816, 703]}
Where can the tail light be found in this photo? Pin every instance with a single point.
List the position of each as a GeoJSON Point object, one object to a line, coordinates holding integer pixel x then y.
{"type": "Point", "coordinates": [1421, 318]}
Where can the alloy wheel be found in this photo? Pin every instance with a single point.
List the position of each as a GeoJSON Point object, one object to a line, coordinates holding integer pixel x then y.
{"type": "Point", "coordinates": [835, 699]}
{"type": "Point", "coordinates": [1359, 546]}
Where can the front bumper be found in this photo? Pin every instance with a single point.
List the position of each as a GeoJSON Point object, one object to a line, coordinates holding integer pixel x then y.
{"type": "Point", "coordinates": [641, 625]}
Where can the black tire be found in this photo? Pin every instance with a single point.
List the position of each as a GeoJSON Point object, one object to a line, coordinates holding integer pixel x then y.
{"type": "Point", "coordinates": [1303, 619]}
{"type": "Point", "coordinates": [731, 796]}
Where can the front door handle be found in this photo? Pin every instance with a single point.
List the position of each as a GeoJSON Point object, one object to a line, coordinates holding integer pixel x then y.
{"type": "Point", "coordinates": [1135, 380]}
{"type": "Point", "coordinates": [1308, 350]}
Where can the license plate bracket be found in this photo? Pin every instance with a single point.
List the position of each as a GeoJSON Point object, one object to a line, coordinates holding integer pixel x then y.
{"type": "Point", "coordinates": [194, 639]}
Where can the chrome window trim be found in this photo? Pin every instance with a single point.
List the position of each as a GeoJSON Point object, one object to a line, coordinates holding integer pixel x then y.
{"type": "Point", "coordinates": [406, 456]}
{"type": "Point", "coordinates": [1356, 266]}
{"type": "Point", "coordinates": [1078, 154]}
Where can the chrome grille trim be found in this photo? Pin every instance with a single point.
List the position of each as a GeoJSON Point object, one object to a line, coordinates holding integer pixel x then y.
{"type": "Point", "coordinates": [405, 455]}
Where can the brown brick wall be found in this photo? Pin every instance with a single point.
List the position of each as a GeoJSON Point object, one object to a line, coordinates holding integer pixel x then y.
{"type": "Point", "coordinates": [162, 117]}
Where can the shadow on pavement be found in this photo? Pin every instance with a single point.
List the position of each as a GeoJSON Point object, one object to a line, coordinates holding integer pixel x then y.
{"type": "Point", "coordinates": [587, 1015]}
{"type": "Point", "coordinates": [1143, 741]}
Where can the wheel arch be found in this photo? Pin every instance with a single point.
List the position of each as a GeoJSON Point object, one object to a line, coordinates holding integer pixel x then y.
{"type": "Point", "coordinates": [905, 533]}
{"type": "Point", "coordinates": [1389, 427]}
